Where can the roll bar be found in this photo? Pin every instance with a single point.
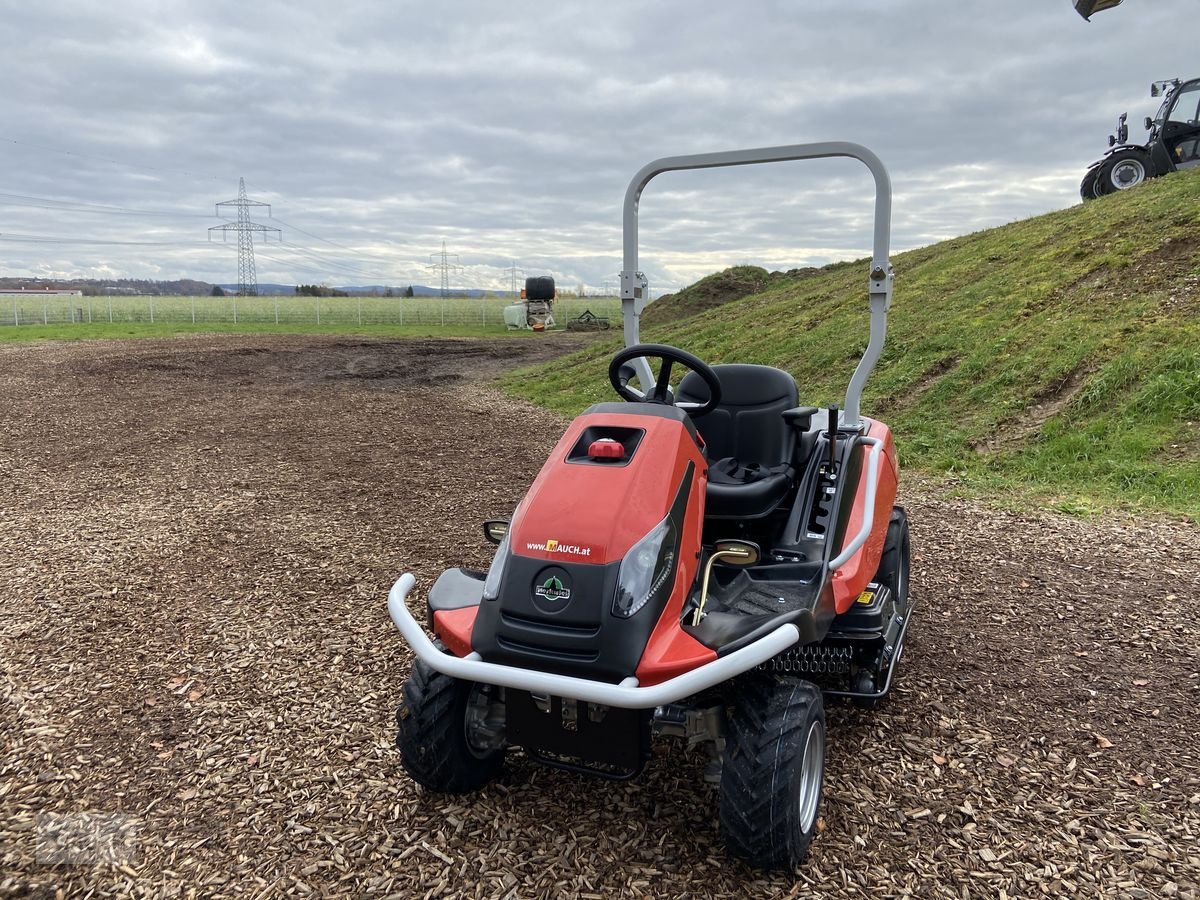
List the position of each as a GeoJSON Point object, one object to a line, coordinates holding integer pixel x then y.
{"type": "Point", "coordinates": [635, 287]}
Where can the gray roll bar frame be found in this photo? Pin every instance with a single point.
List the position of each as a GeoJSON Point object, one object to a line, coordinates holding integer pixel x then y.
{"type": "Point", "coordinates": [635, 288]}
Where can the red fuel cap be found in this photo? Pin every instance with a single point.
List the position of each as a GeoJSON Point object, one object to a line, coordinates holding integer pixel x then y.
{"type": "Point", "coordinates": [606, 448]}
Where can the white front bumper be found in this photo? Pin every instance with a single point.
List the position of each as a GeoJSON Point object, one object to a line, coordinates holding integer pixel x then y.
{"type": "Point", "coordinates": [626, 695]}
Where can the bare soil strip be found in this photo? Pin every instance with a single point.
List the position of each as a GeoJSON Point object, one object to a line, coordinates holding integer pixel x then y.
{"type": "Point", "coordinates": [196, 541]}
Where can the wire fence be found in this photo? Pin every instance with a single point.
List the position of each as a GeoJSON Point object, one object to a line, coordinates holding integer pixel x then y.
{"type": "Point", "coordinates": [17, 309]}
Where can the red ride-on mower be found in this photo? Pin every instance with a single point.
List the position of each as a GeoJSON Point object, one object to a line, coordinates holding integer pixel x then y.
{"type": "Point", "coordinates": [708, 561]}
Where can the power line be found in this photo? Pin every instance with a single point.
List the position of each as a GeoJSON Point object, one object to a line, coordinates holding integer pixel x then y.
{"type": "Point", "coordinates": [358, 253]}
{"type": "Point", "coordinates": [134, 165]}
{"type": "Point", "coordinates": [104, 242]}
{"type": "Point", "coordinates": [316, 236]}
{"type": "Point", "coordinates": [60, 239]}
{"type": "Point", "coordinates": [126, 163]}
{"type": "Point", "coordinates": [319, 254]}
{"type": "Point", "coordinates": [329, 264]}
{"type": "Point", "coordinates": [55, 204]}
{"type": "Point", "coordinates": [48, 239]}
{"type": "Point", "coordinates": [291, 263]}
{"type": "Point", "coordinates": [245, 252]}
{"type": "Point", "coordinates": [84, 207]}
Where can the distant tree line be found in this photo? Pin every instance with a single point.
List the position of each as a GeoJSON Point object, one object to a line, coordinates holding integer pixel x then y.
{"type": "Point", "coordinates": [318, 290]}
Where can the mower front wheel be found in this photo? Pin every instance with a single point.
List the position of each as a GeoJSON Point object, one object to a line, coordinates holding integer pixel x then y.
{"type": "Point", "coordinates": [773, 771]}
{"type": "Point", "coordinates": [433, 736]}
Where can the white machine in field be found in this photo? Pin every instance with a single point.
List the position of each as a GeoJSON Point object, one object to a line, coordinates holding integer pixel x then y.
{"type": "Point", "coordinates": [535, 309]}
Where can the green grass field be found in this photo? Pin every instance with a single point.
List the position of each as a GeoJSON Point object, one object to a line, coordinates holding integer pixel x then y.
{"type": "Point", "coordinates": [1056, 359]}
{"type": "Point", "coordinates": [74, 318]}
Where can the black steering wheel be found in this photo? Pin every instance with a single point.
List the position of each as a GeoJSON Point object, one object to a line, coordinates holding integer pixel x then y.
{"type": "Point", "coordinates": [619, 373]}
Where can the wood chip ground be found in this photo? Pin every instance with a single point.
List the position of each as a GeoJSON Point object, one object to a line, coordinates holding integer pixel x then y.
{"type": "Point", "coordinates": [198, 674]}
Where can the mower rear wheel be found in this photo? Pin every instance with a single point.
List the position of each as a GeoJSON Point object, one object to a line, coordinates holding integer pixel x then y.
{"type": "Point", "coordinates": [432, 734]}
{"type": "Point", "coordinates": [896, 559]}
{"type": "Point", "coordinates": [772, 772]}
{"type": "Point", "coordinates": [894, 565]}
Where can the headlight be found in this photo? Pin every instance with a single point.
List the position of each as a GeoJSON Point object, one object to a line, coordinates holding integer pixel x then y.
{"type": "Point", "coordinates": [647, 569]}
{"type": "Point", "coordinates": [491, 585]}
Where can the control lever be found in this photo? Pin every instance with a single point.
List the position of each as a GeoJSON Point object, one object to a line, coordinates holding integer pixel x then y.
{"type": "Point", "coordinates": [833, 426]}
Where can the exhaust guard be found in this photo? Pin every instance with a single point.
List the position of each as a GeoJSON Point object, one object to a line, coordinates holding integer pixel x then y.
{"type": "Point", "coordinates": [626, 695]}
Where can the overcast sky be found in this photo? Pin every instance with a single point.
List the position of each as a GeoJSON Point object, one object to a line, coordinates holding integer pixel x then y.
{"type": "Point", "coordinates": [510, 130]}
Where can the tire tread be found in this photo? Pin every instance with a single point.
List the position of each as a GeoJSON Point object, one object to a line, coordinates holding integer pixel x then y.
{"type": "Point", "coordinates": [767, 728]}
{"type": "Point", "coordinates": [430, 734]}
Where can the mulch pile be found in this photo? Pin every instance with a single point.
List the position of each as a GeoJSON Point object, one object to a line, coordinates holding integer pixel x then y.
{"type": "Point", "coordinates": [198, 675]}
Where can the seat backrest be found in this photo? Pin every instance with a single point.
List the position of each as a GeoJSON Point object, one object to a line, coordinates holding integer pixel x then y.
{"type": "Point", "coordinates": [748, 424]}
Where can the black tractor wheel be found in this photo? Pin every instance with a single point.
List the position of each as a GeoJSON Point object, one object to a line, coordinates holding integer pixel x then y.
{"type": "Point", "coordinates": [1121, 171]}
{"type": "Point", "coordinates": [772, 772]}
{"type": "Point", "coordinates": [894, 565]}
{"type": "Point", "coordinates": [1087, 187]}
{"type": "Point", "coordinates": [433, 733]}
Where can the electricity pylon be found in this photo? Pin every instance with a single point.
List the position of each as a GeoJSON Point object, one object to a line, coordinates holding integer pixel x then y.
{"type": "Point", "coordinates": [440, 262]}
{"type": "Point", "coordinates": [247, 277]}
{"type": "Point", "coordinates": [512, 282]}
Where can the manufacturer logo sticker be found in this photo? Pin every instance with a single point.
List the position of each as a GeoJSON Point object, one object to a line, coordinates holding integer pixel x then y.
{"type": "Point", "coordinates": [553, 589]}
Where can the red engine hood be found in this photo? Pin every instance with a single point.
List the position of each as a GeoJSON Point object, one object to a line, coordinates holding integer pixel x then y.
{"type": "Point", "coordinates": [593, 512]}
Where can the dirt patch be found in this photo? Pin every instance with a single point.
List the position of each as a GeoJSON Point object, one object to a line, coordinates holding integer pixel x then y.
{"type": "Point", "coordinates": [1183, 294]}
{"type": "Point", "coordinates": [408, 363]}
{"type": "Point", "coordinates": [1164, 269]}
{"type": "Point", "coordinates": [1183, 298]}
{"type": "Point", "coordinates": [924, 382]}
{"type": "Point", "coordinates": [1047, 403]}
{"type": "Point", "coordinates": [1180, 250]}
{"type": "Point", "coordinates": [196, 541]}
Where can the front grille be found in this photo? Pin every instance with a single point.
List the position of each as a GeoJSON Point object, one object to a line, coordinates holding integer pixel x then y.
{"type": "Point", "coordinates": [545, 652]}
{"type": "Point", "coordinates": [556, 628]}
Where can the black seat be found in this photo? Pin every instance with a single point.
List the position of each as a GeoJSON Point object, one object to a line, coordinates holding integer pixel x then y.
{"type": "Point", "coordinates": [749, 444]}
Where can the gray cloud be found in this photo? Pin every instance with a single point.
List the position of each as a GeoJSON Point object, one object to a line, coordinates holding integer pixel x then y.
{"type": "Point", "coordinates": [511, 130]}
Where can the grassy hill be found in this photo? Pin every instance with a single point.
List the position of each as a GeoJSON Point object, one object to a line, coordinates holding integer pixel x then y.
{"type": "Point", "coordinates": [1056, 359]}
